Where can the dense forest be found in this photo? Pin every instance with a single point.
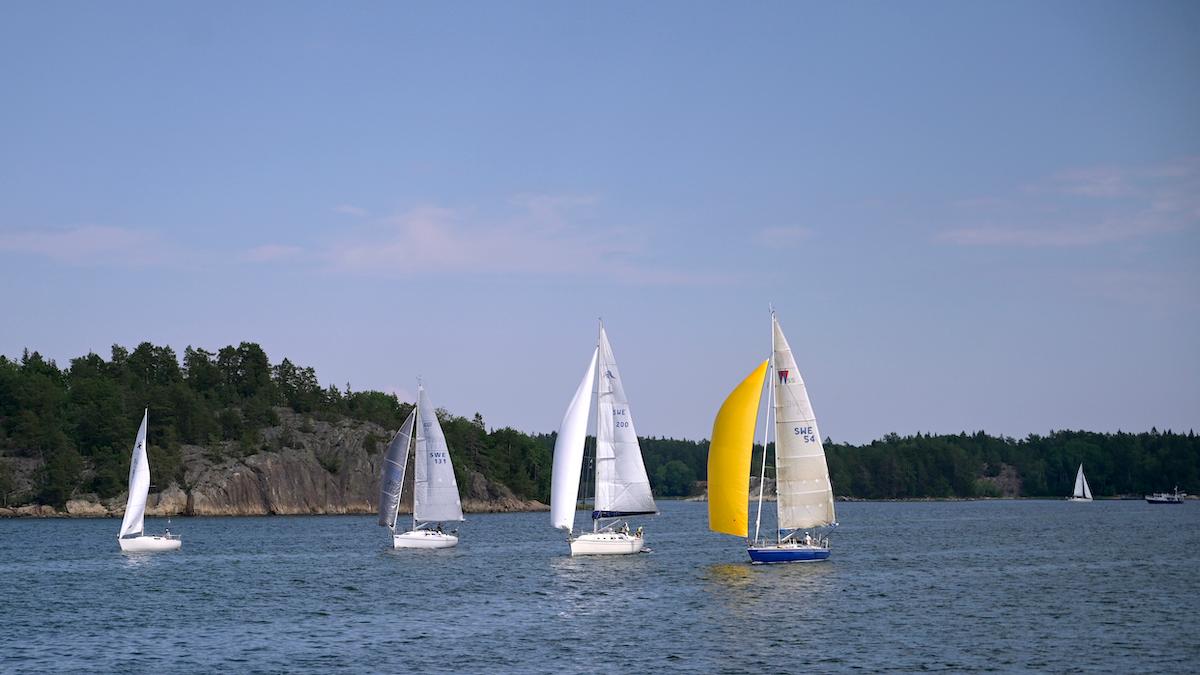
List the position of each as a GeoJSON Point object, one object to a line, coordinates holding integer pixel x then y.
{"type": "Point", "coordinates": [79, 423]}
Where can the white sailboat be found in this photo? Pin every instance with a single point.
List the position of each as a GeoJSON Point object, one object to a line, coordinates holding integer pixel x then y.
{"type": "Point", "coordinates": [622, 487]}
{"type": "Point", "coordinates": [132, 536]}
{"type": "Point", "coordinates": [1082, 492]}
{"type": "Point", "coordinates": [804, 495]}
{"type": "Point", "coordinates": [435, 490]}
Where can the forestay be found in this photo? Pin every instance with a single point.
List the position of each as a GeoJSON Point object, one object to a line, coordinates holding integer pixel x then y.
{"type": "Point", "coordinates": [622, 487]}
{"type": "Point", "coordinates": [139, 484]}
{"type": "Point", "coordinates": [802, 476]}
{"type": "Point", "coordinates": [568, 452]}
{"type": "Point", "coordinates": [435, 491]}
{"type": "Point", "coordinates": [395, 463]}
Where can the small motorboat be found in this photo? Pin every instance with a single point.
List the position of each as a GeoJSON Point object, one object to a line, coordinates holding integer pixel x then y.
{"type": "Point", "coordinates": [1175, 497]}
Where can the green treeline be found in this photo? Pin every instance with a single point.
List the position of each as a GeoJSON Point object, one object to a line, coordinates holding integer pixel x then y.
{"type": "Point", "coordinates": [80, 422]}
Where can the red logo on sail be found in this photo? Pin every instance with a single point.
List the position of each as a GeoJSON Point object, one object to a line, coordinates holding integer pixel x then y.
{"type": "Point", "coordinates": [783, 377]}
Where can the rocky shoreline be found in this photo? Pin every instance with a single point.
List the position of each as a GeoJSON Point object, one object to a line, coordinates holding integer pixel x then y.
{"type": "Point", "coordinates": [303, 467]}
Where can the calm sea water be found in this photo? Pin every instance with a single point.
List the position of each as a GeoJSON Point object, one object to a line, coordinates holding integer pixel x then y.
{"type": "Point", "coordinates": [996, 585]}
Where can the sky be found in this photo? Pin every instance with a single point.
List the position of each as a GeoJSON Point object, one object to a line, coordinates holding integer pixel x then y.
{"type": "Point", "coordinates": [968, 215]}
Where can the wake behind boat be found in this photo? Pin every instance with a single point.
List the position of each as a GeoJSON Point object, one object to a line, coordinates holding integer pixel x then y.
{"type": "Point", "coordinates": [622, 487]}
{"type": "Point", "coordinates": [435, 490]}
{"type": "Point", "coordinates": [1082, 492]}
{"type": "Point", "coordinates": [804, 495]}
{"type": "Point", "coordinates": [132, 536]}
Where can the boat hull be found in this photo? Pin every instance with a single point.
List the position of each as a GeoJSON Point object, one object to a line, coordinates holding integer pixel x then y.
{"type": "Point", "coordinates": [424, 539]}
{"type": "Point", "coordinates": [787, 553]}
{"type": "Point", "coordinates": [606, 543]}
{"type": "Point", "coordinates": [1164, 500]}
{"type": "Point", "coordinates": [1078, 499]}
{"type": "Point", "coordinates": [150, 544]}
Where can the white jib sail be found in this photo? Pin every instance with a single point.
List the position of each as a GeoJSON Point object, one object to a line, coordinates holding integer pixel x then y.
{"type": "Point", "coordinates": [435, 491]}
{"type": "Point", "coordinates": [395, 462]}
{"type": "Point", "coordinates": [1081, 486]}
{"type": "Point", "coordinates": [802, 476]}
{"type": "Point", "coordinates": [568, 452]}
{"type": "Point", "coordinates": [139, 484]}
{"type": "Point", "coordinates": [621, 483]}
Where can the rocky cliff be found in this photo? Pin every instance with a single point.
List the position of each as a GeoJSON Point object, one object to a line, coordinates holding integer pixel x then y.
{"type": "Point", "coordinates": [301, 466]}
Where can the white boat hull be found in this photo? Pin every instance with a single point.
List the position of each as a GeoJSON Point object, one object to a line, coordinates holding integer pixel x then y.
{"type": "Point", "coordinates": [606, 543]}
{"type": "Point", "coordinates": [150, 544]}
{"type": "Point", "coordinates": [424, 539]}
{"type": "Point", "coordinates": [1079, 499]}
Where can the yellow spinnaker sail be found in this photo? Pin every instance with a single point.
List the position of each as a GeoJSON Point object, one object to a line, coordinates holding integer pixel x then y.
{"type": "Point", "coordinates": [729, 456]}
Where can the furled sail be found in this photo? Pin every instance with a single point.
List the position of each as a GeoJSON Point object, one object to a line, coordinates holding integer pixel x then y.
{"type": "Point", "coordinates": [435, 491]}
{"type": "Point", "coordinates": [1081, 486]}
{"type": "Point", "coordinates": [568, 452]}
{"type": "Point", "coordinates": [394, 465]}
{"type": "Point", "coordinates": [622, 488]}
{"type": "Point", "coordinates": [729, 456]}
{"type": "Point", "coordinates": [139, 484]}
{"type": "Point", "coordinates": [801, 474]}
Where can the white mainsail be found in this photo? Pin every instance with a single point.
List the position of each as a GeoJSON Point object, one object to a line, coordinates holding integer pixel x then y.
{"type": "Point", "coordinates": [394, 465]}
{"type": "Point", "coordinates": [622, 487]}
{"type": "Point", "coordinates": [805, 495]}
{"type": "Point", "coordinates": [568, 452]}
{"type": "Point", "coordinates": [139, 484]}
{"type": "Point", "coordinates": [1082, 491]}
{"type": "Point", "coordinates": [435, 490]}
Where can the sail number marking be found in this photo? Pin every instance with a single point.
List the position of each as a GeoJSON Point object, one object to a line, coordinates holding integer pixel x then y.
{"type": "Point", "coordinates": [807, 433]}
{"type": "Point", "coordinates": [439, 457]}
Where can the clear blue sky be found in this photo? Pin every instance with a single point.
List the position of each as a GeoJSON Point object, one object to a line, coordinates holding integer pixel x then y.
{"type": "Point", "coordinates": [970, 215]}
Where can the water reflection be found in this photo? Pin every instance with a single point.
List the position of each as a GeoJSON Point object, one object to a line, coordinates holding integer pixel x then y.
{"type": "Point", "coordinates": [138, 559]}
{"type": "Point", "coordinates": [744, 590]}
{"type": "Point", "coordinates": [596, 585]}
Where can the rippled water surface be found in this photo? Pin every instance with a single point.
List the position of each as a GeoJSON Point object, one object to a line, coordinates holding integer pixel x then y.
{"type": "Point", "coordinates": [996, 585]}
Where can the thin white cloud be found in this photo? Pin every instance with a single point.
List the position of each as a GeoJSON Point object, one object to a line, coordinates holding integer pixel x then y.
{"type": "Point", "coordinates": [782, 236]}
{"type": "Point", "coordinates": [88, 245]}
{"type": "Point", "coordinates": [1085, 207]}
{"type": "Point", "coordinates": [540, 235]}
{"type": "Point", "coordinates": [351, 210]}
{"type": "Point", "coordinates": [272, 253]}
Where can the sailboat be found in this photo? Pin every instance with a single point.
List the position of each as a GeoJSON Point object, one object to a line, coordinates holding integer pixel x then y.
{"type": "Point", "coordinates": [622, 488]}
{"type": "Point", "coordinates": [804, 495]}
{"type": "Point", "coordinates": [435, 491]}
{"type": "Point", "coordinates": [132, 536]}
{"type": "Point", "coordinates": [1082, 492]}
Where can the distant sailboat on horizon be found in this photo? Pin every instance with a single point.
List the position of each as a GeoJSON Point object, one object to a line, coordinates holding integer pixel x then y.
{"type": "Point", "coordinates": [1082, 492]}
{"type": "Point", "coordinates": [435, 490]}
{"type": "Point", "coordinates": [622, 487]}
{"type": "Point", "coordinates": [132, 536]}
{"type": "Point", "coordinates": [804, 495]}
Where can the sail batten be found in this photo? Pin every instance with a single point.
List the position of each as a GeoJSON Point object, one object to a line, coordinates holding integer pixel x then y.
{"type": "Point", "coordinates": [729, 456]}
{"type": "Point", "coordinates": [395, 463]}
{"type": "Point", "coordinates": [133, 523]}
{"type": "Point", "coordinates": [568, 452]}
{"type": "Point", "coordinates": [435, 490]}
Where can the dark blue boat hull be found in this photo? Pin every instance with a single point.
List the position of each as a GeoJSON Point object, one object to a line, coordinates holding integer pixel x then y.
{"type": "Point", "coordinates": [771, 555]}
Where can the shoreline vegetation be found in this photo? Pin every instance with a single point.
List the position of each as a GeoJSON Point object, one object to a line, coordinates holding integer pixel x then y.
{"type": "Point", "coordinates": [233, 434]}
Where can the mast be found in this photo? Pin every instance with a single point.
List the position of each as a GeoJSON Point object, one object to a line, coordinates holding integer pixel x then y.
{"type": "Point", "coordinates": [762, 475]}
{"type": "Point", "coordinates": [596, 445]}
{"type": "Point", "coordinates": [416, 444]}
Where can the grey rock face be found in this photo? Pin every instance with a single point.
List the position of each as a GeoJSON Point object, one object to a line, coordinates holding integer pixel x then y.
{"type": "Point", "coordinates": [327, 468]}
